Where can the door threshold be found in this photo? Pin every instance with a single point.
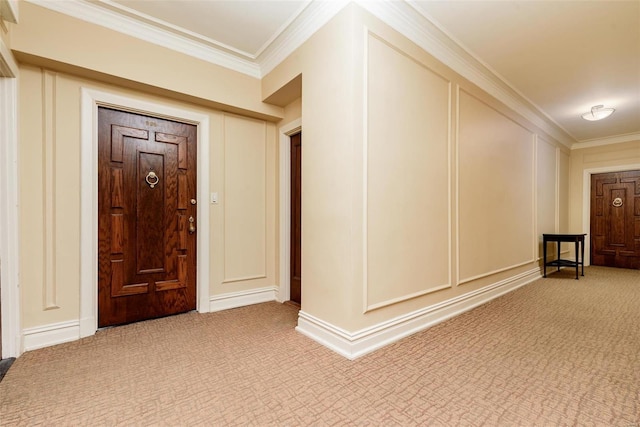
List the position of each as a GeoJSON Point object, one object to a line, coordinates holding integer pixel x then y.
{"type": "Point", "coordinates": [292, 304]}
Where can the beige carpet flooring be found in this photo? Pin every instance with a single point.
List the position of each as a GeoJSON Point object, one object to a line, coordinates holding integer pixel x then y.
{"type": "Point", "coordinates": [555, 352]}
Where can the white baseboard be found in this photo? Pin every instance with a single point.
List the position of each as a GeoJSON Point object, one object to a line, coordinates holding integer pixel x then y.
{"type": "Point", "coordinates": [356, 344]}
{"type": "Point", "coordinates": [242, 298]}
{"type": "Point", "coordinates": [52, 334]}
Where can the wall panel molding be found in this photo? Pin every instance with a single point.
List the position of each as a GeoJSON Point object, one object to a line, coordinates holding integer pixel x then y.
{"type": "Point", "coordinates": [244, 258]}
{"type": "Point", "coordinates": [403, 17]}
{"type": "Point", "coordinates": [49, 292]}
{"type": "Point", "coordinates": [506, 133]}
{"type": "Point", "coordinates": [375, 48]}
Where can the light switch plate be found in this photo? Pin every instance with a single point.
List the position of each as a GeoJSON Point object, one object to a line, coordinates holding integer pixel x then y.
{"type": "Point", "coordinates": [214, 198]}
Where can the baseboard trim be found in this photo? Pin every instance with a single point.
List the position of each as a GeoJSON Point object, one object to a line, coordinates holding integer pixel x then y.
{"type": "Point", "coordinates": [242, 298]}
{"type": "Point", "coordinates": [51, 334]}
{"type": "Point", "coordinates": [353, 345]}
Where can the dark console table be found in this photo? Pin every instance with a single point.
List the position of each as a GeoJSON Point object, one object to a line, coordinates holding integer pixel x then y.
{"type": "Point", "coordinates": [578, 239]}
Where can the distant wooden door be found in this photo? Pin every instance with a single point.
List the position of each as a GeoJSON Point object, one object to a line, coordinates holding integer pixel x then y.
{"type": "Point", "coordinates": [296, 219]}
{"type": "Point", "coordinates": [615, 219]}
{"type": "Point", "coordinates": [146, 220]}
{"type": "Point", "coordinates": [0, 321]}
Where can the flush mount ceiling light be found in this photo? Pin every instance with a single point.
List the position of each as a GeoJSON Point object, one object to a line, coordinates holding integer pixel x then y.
{"type": "Point", "coordinates": [598, 112]}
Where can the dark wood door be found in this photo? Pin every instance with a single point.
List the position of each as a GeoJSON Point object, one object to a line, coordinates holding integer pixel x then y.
{"type": "Point", "coordinates": [146, 221]}
{"type": "Point", "coordinates": [0, 320]}
{"type": "Point", "coordinates": [615, 219]}
{"type": "Point", "coordinates": [296, 219]}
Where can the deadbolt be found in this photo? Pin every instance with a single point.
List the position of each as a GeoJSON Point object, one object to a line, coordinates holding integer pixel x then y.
{"type": "Point", "coordinates": [193, 201]}
{"type": "Point", "coordinates": [192, 226]}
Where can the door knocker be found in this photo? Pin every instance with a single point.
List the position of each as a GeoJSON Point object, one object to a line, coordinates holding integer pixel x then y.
{"type": "Point", "coordinates": [152, 179]}
{"type": "Point", "coordinates": [617, 202]}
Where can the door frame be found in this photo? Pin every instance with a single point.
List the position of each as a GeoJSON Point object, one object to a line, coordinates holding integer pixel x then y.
{"type": "Point", "coordinates": [9, 219]}
{"type": "Point", "coordinates": [91, 99]}
{"type": "Point", "coordinates": [286, 131]}
{"type": "Point", "coordinates": [586, 199]}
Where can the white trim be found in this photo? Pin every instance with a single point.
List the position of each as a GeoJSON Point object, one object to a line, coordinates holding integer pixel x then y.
{"type": "Point", "coordinates": [586, 200]}
{"type": "Point", "coordinates": [242, 298]}
{"type": "Point", "coordinates": [403, 17]}
{"type": "Point", "coordinates": [618, 139]}
{"type": "Point", "coordinates": [356, 344]}
{"type": "Point", "coordinates": [9, 10]}
{"type": "Point", "coordinates": [9, 219]}
{"type": "Point", "coordinates": [51, 334]}
{"type": "Point", "coordinates": [285, 132]}
{"type": "Point", "coordinates": [91, 99]}
{"type": "Point", "coordinates": [98, 15]}
{"type": "Point", "coordinates": [311, 19]}
{"type": "Point", "coordinates": [8, 65]}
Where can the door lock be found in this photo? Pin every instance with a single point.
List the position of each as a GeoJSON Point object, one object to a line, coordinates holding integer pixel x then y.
{"type": "Point", "coordinates": [192, 226]}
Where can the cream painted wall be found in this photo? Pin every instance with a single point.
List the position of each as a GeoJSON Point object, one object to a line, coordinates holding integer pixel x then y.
{"type": "Point", "coordinates": [414, 180]}
{"type": "Point", "coordinates": [600, 159]}
{"type": "Point", "coordinates": [292, 111]}
{"type": "Point", "coordinates": [407, 177]}
{"type": "Point", "coordinates": [326, 62]}
{"type": "Point", "coordinates": [4, 32]}
{"type": "Point", "coordinates": [242, 155]}
{"type": "Point", "coordinates": [246, 223]}
{"type": "Point", "coordinates": [418, 187]}
{"type": "Point", "coordinates": [495, 212]}
{"type": "Point", "coordinates": [54, 39]}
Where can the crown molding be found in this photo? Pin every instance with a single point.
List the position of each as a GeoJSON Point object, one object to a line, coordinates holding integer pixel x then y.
{"type": "Point", "coordinates": [171, 28]}
{"type": "Point", "coordinates": [9, 11]}
{"type": "Point", "coordinates": [423, 31]}
{"type": "Point", "coordinates": [97, 15]}
{"type": "Point", "coordinates": [310, 20]}
{"type": "Point", "coordinates": [598, 142]}
{"type": "Point", "coordinates": [8, 66]}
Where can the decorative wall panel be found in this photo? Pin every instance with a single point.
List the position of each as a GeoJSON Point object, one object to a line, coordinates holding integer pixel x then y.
{"type": "Point", "coordinates": [496, 190]}
{"type": "Point", "coordinates": [407, 185]}
{"type": "Point", "coordinates": [546, 190]}
{"type": "Point", "coordinates": [244, 199]}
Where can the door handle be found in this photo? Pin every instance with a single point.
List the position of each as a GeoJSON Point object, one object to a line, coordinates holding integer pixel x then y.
{"type": "Point", "coordinates": [192, 226]}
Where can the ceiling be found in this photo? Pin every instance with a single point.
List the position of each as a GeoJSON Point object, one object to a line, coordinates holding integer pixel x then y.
{"type": "Point", "coordinates": [562, 56]}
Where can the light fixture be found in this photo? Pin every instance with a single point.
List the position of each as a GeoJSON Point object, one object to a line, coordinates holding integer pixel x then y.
{"type": "Point", "coordinates": [598, 112]}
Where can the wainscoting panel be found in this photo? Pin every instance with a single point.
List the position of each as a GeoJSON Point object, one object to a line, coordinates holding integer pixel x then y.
{"type": "Point", "coordinates": [406, 177]}
{"type": "Point", "coordinates": [496, 160]}
{"type": "Point", "coordinates": [244, 199]}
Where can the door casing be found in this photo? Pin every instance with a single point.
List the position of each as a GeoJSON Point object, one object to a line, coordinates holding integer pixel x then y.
{"type": "Point", "coordinates": [11, 334]}
{"type": "Point", "coordinates": [91, 100]}
{"type": "Point", "coordinates": [285, 206]}
{"type": "Point", "coordinates": [586, 199]}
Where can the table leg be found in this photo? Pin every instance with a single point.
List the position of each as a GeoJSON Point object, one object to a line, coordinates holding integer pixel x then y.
{"type": "Point", "coordinates": [582, 253]}
{"type": "Point", "coordinates": [577, 257]}
{"type": "Point", "coordinates": [559, 245]}
{"type": "Point", "coordinates": [544, 254]}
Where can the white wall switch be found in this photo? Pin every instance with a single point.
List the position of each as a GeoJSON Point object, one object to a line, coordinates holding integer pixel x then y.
{"type": "Point", "coordinates": [214, 198]}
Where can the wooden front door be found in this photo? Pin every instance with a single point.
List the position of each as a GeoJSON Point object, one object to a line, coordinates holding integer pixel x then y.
{"type": "Point", "coordinates": [615, 219]}
{"type": "Point", "coordinates": [296, 219]}
{"type": "Point", "coordinates": [146, 217]}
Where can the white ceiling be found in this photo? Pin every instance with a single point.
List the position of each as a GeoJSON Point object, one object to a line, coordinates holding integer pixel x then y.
{"type": "Point", "coordinates": [563, 56]}
{"type": "Point", "coordinates": [245, 27]}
